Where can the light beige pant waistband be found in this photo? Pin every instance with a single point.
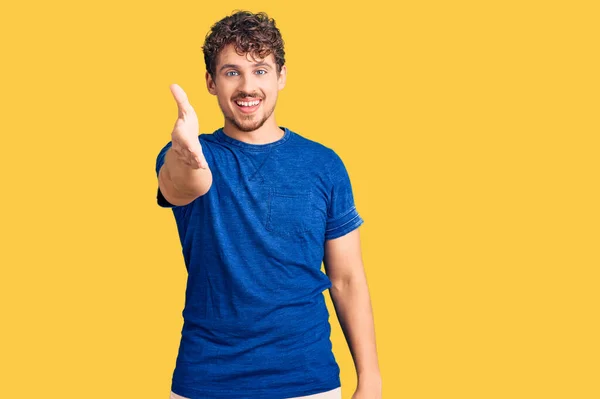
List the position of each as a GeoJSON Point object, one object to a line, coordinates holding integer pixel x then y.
{"type": "Point", "coordinates": [333, 394]}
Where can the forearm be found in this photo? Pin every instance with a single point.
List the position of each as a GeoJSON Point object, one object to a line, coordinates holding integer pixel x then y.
{"type": "Point", "coordinates": [181, 180]}
{"type": "Point", "coordinates": [352, 304]}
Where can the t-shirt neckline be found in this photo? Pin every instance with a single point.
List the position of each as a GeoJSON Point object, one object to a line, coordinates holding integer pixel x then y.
{"type": "Point", "coordinates": [221, 136]}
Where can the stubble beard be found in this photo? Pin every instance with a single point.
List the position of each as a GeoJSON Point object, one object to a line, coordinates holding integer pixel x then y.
{"type": "Point", "coordinates": [249, 127]}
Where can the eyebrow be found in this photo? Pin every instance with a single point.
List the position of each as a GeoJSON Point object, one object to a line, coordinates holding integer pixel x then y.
{"type": "Point", "coordinates": [258, 64]}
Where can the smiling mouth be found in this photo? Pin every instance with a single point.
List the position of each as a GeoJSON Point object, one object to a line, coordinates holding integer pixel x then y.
{"type": "Point", "coordinates": [248, 106]}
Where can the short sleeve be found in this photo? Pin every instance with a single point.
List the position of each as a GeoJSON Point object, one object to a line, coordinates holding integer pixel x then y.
{"type": "Point", "coordinates": [342, 215]}
{"type": "Point", "coordinates": [160, 160]}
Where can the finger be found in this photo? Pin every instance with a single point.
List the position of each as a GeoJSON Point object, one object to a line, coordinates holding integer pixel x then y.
{"type": "Point", "coordinates": [202, 162]}
{"type": "Point", "coordinates": [176, 146]}
{"type": "Point", "coordinates": [181, 145]}
{"type": "Point", "coordinates": [198, 159]}
{"type": "Point", "coordinates": [183, 105]}
{"type": "Point", "coordinates": [189, 155]}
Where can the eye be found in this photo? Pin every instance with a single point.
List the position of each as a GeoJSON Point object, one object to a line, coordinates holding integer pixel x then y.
{"type": "Point", "coordinates": [261, 70]}
{"type": "Point", "coordinates": [230, 72]}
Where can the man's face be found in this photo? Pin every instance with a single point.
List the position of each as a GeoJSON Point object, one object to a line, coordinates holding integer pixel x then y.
{"type": "Point", "coordinates": [246, 89]}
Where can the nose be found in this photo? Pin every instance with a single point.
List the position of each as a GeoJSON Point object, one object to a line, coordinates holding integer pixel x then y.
{"type": "Point", "coordinates": [248, 86]}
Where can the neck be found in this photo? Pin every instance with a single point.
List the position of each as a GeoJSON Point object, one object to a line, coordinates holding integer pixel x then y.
{"type": "Point", "coordinates": [267, 133]}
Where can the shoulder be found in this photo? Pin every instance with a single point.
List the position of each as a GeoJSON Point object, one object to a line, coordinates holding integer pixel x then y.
{"type": "Point", "coordinates": [324, 153]}
{"type": "Point", "coordinates": [207, 138]}
{"type": "Point", "coordinates": [209, 143]}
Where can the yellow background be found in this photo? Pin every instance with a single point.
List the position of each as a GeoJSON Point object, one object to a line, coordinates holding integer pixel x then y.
{"type": "Point", "coordinates": [470, 132]}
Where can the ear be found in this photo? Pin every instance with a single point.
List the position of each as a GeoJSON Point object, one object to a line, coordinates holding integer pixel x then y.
{"type": "Point", "coordinates": [282, 77]}
{"type": "Point", "coordinates": [210, 84]}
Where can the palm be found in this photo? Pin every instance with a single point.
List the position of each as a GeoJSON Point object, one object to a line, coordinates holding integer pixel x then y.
{"type": "Point", "coordinates": [184, 137]}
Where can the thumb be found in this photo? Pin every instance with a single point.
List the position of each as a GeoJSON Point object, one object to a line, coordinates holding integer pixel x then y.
{"type": "Point", "coordinates": [183, 105]}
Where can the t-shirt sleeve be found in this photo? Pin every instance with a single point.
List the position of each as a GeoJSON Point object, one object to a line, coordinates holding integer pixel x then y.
{"type": "Point", "coordinates": [160, 160]}
{"type": "Point", "coordinates": [342, 215]}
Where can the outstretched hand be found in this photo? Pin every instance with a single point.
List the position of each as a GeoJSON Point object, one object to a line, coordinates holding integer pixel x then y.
{"type": "Point", "coordinates": [184, 138]}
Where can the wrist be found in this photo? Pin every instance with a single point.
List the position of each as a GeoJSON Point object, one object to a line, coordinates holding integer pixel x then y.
{"type": "Point", "coordinates": [369, 378]}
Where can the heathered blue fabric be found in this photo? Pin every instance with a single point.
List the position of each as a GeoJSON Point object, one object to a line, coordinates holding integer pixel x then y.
{"type": "Point", "coordinates": [256, 324]}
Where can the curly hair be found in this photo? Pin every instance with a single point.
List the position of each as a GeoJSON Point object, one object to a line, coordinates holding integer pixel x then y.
{"type": "Point", "coordinates": [250, 33]}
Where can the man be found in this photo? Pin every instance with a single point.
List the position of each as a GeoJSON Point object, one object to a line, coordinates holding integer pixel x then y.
{"type": "Point", "coordinates": [258, 207]}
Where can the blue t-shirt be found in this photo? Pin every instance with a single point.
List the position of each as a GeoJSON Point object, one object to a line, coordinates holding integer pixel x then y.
{"type": "Point", "coordinates": [256, 324]}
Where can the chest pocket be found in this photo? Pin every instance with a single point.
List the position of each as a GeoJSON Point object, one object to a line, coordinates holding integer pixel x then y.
{"type": "Point", "coordinates": [288, 212]}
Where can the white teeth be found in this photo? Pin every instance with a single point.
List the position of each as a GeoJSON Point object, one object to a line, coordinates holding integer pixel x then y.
{"type": "Point", "coordinates": [247, 104]}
